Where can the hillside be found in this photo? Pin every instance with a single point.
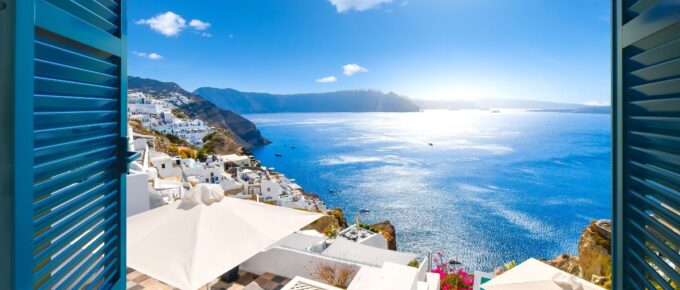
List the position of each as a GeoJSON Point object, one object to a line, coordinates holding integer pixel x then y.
{"type": "Point", "coordinates": [341, 101]}
{"type": "Point", "coordinates": [245, 133]}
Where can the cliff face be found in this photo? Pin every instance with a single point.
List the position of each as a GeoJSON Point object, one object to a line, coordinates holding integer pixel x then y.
{"type": "Point", "coordinates": [594, 251]}
{"type": "Point", "coordinates": [387, 230]}
{"type": "Point", "coordinates": [594, 261]}
{"type": "Point", "coordinates": [245, 134]}
{"type": "Point", "coordinates": [341, 101]}
{"type": "Point", "coordinates": [334, 221]}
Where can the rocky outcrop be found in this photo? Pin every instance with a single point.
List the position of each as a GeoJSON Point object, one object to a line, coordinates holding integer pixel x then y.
{"type": "Point", "coordinates": [387, 230]}
{"type": "Point", "coordinates": [339, 216]}
{"type": "Point", "coordinates": [333, 221]}
{"type": "Point", "coordinates": [594, 250]}
{"type": "Point", "coordinates": [594, 261]}
{"type": "Point", "coordinates": [567, 263]}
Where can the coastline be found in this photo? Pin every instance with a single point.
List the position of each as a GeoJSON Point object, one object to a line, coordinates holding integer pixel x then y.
{"type": "Point", "coordinates": [335, 219]}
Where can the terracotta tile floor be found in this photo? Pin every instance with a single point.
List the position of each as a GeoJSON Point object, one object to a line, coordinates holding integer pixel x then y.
{"type": "Point", "coordinates": [246, 281]}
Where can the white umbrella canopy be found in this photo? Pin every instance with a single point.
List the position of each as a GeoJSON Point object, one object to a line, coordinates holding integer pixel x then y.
{"type": "Point", "coordinates": [534, 274]}
{"type": "Point", "coordinates": [191, 242]}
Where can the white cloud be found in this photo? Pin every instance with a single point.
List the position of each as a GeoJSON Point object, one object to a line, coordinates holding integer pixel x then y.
{"type": "Point", "coordinates": [198, 24]}
{"type": "Point", "coordinates": [153, 55]}
{"type": "Point", "coordinates": [205, 34]}
{"type": "Point", "coordinates": [352, 69]}
{"type": "Point", "coordinates": [326, 80]}
{"type": "Point", "coordinates": [168, 23]}
{"type": "Point", "coordinates": [358, 5]}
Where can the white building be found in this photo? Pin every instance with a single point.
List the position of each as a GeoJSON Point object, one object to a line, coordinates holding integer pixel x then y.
{"type": "Point", "coordinates": [233, 160]}
{"type": "Point", "coordinates": [376, 268]}
{"type": "Point", "coordinates": [203, 172]}
{"type": "Point", "coordinates": [168, 167]}
{"type": "Point", "coordinates": [156, 114]}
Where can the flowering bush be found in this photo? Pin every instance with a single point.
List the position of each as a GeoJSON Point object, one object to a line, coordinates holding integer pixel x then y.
{"type": "Point", "coordinates": [450, 278]}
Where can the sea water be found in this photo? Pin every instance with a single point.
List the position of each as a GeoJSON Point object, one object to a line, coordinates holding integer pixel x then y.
{"type": "Point", "coordinates": [483, 188]}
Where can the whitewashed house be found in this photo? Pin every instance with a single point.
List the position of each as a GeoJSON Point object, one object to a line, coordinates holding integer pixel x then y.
{"type": "Point", "coordinates": [167, 166]}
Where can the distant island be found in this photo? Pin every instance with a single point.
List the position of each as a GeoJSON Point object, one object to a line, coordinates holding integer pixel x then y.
{"type": "Point", "coordinates": [494, 103]}
{"type": "Point", "coordinates": [340, 101]}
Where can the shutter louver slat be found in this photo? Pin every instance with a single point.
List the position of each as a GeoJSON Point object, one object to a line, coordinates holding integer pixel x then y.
{"type": "Point", "coordinates": [93, 262]}
{"type": "Point", "coordinates": [648, 272]}
{"type": "Point", "coordinates": [640, 6]}
{"type": "Point", "coordinates": [91, 237]}
{"type": "Point", "coordinates": [659, 71]}
{"type": "Point", "coordinates": [663, 249]}
{"type": "Point", "coordinates": [654, 223]}
{"type": "Point", "coordinates": [77, 10]}
{"type": "Point", "coordinates": [47, 187]}
{"type": "Point", "coordinates": [86, 277]}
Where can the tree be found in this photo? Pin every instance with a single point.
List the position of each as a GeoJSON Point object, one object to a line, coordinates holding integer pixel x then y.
{"type": "Point", "coordinates": [202, 155]}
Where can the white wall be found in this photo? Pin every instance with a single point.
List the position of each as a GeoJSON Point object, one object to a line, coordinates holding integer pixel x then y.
{"type": "Point", "coordinates": [270, 189]}
{"type": "Point", "coordinates": [376, 240]}
{"type": "Point", "coordinates": [289, 263]}
{"type": "Point", "coordinates": [171, 169]}
{"type": "Point", "coordinates": [137, 196]}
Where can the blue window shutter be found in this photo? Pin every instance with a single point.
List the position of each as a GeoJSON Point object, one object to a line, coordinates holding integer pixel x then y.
{"type": "Point", "coordinates": [70, 153]}
{"type": "Point", "coordinates": [646, 138]}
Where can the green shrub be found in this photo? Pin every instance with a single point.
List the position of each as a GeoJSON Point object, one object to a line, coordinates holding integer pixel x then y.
{"type": "Point", "coordinates": [331, 233]}
{"type": "Point", "coordinates": [369, 227]}
{"type": "Point", "coordinates": [174, 151]}
{"type": "Point", "coordinates": [173, 138]}
{"type": "Point", "coordinates": [202, 155]}
{"type": "Point", "coordinates": [208, 137]}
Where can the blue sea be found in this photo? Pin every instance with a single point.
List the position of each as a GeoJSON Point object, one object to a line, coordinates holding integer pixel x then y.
{"type": "Point", "coordinates": [492, 187]}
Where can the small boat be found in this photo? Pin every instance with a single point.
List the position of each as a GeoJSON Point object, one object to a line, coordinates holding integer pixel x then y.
{"type": "Point", "coordinates": [278, 154]}
{"type": "Point", "coordinates": [495, 111]}
{"type": "Point", "coordinates": [335, 191]}
{"type": "Point", "coordinates": [363, 210]}
{"type": "Point", "coordinates": [430, 144]}
{"type": "Point", "coordinates": [292, 147]}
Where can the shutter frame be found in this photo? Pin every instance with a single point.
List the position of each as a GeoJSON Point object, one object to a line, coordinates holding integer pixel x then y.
{"type": "Point", "coordinates": [646, 139]}
{"type": "Point", "coordinates": [69, 144]}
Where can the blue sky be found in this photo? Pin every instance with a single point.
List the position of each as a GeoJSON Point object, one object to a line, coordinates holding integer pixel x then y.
{"type": "Point", "coordinates": [432, 49]}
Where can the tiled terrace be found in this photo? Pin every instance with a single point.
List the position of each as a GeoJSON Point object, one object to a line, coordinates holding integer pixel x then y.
{"type": "Point", "coordinates": [246, 281]}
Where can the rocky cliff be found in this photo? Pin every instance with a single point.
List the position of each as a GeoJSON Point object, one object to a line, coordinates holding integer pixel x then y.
{"type": "Point", "coordinates": [594, 251]}
{"type": "Point", "coordinates": [245, 133]}
{"type": "Point", "coordinates": [340, 101]}
{"type": "Point", "coordinates": [333, 221]}
{"type": "Point", "coordinates": [387, 230]}
{"type": "Point", "coordinates": [594, 261]}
